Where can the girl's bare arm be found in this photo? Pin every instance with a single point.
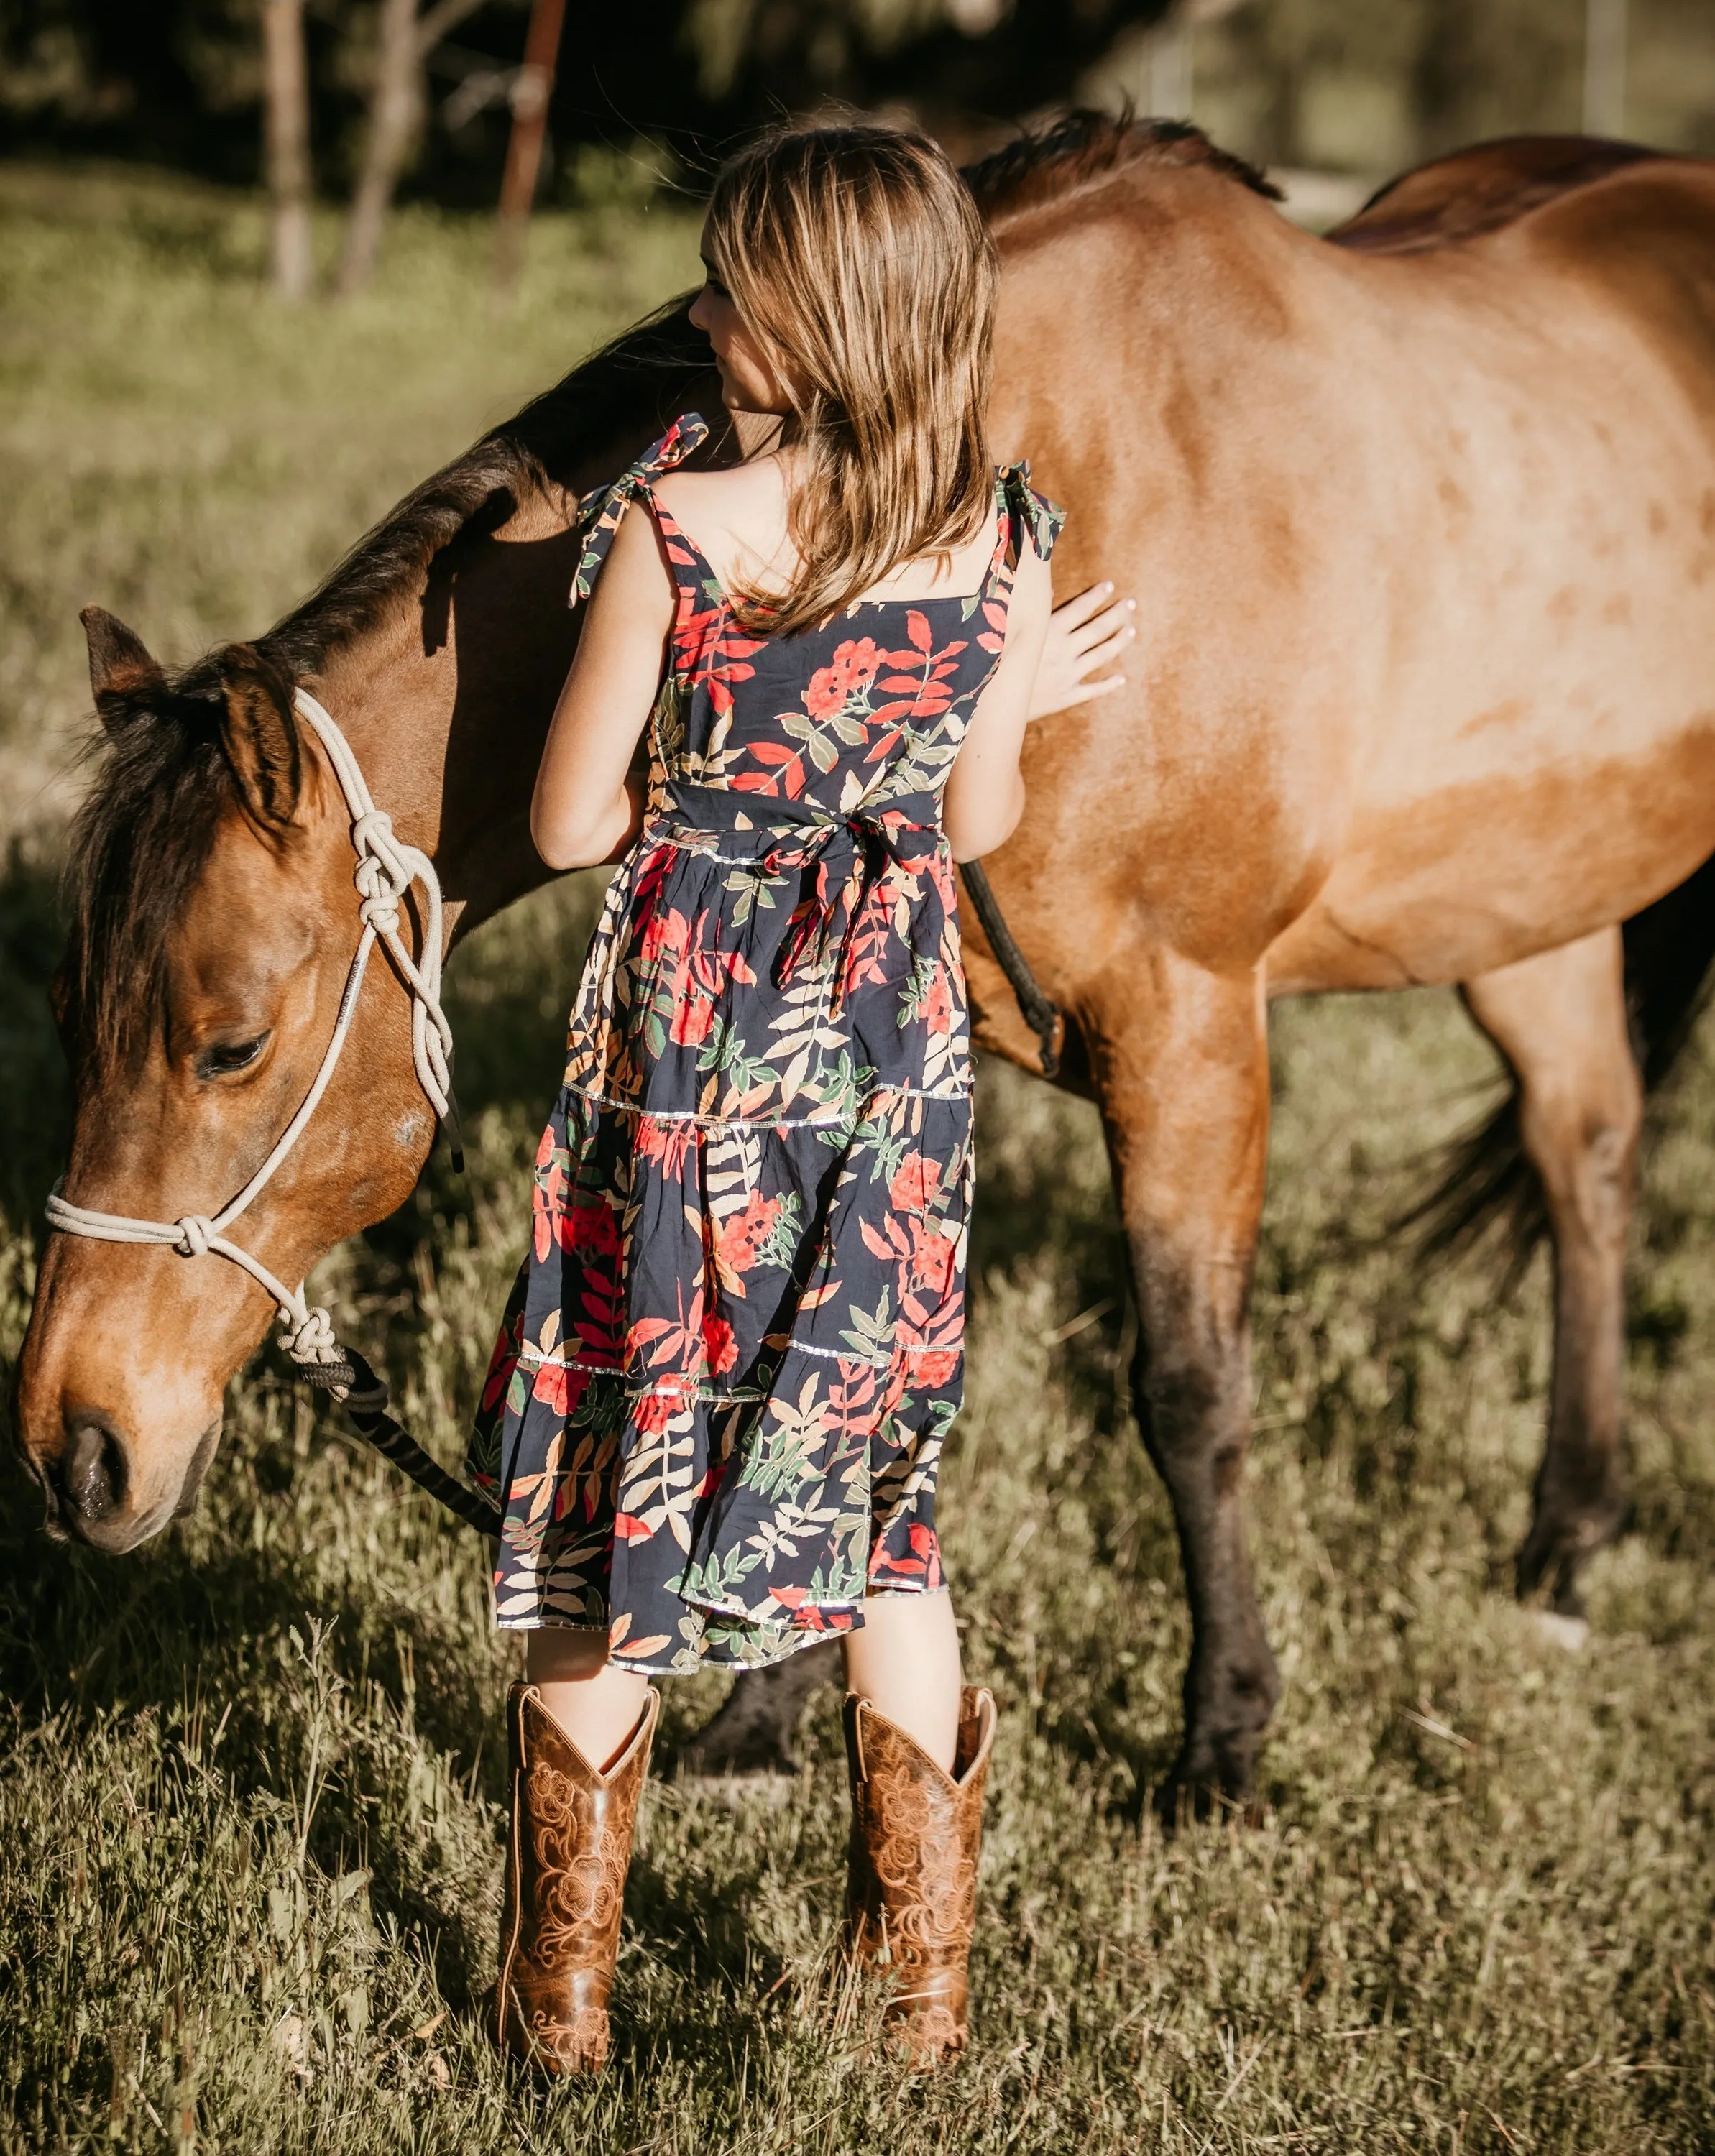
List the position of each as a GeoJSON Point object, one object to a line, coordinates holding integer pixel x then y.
{"type": "Point", "coordinates": [585, 810]}
{"type": "Point", "coordinates": [985, 795]}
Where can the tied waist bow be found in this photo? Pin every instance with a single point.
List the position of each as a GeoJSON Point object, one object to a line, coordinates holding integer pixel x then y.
{"type": "Point", "coordinates": [850, 854]}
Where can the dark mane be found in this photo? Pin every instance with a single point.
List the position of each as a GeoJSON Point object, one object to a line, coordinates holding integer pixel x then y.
{"type": "Point", "coordinates": [1086, 146]}
{"type": "Point", "coordinates": [162, 786]}
{"type": "Point", "coordinates": [138, 845]}
{"type": "Point", "coordinates": [625, 394]}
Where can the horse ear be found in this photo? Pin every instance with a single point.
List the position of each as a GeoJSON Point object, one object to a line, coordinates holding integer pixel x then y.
{"type": "Point", "coordinates": [122, 675]}
{"type": "Point", "coordinates": [260, 736]}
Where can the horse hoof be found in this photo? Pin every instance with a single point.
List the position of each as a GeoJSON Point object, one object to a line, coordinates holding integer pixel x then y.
{"type": "Point", "coordinates": [1188, 1799]}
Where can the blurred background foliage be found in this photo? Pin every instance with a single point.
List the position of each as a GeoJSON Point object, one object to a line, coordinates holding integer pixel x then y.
{"type": "Point", "coordinates": [1356, 85]}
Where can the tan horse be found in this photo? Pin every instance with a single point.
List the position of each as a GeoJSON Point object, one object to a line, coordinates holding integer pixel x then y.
{"type": "Point", "coordinates": [1422, 529]}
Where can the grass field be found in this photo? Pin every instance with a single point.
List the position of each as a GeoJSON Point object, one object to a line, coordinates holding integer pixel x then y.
{"type": "Point", "coordinates": [249, 1777]}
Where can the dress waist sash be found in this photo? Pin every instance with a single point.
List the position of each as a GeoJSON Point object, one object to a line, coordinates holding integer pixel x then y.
{"type": "Point", "coordinates": [850, 853]}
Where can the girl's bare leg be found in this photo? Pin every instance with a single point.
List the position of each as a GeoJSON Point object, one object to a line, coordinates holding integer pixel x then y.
{"type": "Point", "coordinates": [905, 1662]}
{"type": "Point", "coordinates": [596, 1704]}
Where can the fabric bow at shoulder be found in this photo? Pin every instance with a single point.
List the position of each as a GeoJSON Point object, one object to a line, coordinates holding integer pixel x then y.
{"type": "Point", "coordinates": [600, 509]}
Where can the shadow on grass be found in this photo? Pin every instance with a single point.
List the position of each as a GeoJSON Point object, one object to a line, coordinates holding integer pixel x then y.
{"type": "Point", "coordinates": [208, 1612]}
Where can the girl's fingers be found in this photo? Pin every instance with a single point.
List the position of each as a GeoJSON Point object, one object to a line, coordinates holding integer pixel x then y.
{"type": "Point", "coordinates": [1093, 630]}
{"type": "Point", "coordinates": [1074, 612]}
{"type": "Point", "coordinates": [1109, 647]}
{"type": "Point", "coordinates": [1089, 690]}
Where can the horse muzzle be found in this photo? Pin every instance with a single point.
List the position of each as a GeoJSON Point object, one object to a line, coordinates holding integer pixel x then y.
{"type": "Point", "coordinates": [92, 1488]}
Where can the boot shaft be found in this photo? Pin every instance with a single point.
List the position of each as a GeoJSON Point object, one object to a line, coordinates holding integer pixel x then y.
{"type": "Point", "coordinates": [916, 1835]}
{"type": "Point", "coordinates": [568, 1849]}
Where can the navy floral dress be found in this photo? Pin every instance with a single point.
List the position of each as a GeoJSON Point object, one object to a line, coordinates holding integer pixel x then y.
{"type": "Point", "coordinates": [718, 1400]}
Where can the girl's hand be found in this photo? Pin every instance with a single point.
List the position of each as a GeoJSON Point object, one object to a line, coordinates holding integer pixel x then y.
{"type": "Point", "coordinates": [1086, 633]}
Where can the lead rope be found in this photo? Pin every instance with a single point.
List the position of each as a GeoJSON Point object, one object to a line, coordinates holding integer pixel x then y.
{"type": "Point", "coordinates": [386, 870]}
{"type": "Point", "coordinates": [1041, 1014]}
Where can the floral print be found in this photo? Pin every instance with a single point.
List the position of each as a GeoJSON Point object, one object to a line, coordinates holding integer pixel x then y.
{"type": "Point", "coordinates": [717, 1402]}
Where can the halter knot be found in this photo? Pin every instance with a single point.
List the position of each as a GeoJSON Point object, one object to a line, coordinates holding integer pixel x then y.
{"type": "Point", "coordinates": [372, 832]}
{"type": "Point", "coordinates": [194, 1230]}
{"type": "Point", "coordinates": [380, 913]}
{"type": "Point", "coordinates": [310, 1338]}
{"type": "Point", "coordinates": [380, 874]}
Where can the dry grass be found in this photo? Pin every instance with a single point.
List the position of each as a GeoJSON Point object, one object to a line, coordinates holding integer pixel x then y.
{"type": "Point", "coordinates": [249, 1832]}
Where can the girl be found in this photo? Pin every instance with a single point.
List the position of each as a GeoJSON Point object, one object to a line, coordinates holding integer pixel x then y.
{"type": "Point", "coordinates": [720, 1390]}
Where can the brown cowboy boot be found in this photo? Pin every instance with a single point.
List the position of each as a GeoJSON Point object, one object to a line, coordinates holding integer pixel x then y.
{"type": "Point", "coordinates": [567, 1851]}
{"type": "Point", "coordinates": [910, 1891]}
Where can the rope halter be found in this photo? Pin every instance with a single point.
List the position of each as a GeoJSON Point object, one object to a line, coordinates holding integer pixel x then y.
{"type": "Point", "coordinates": [387, 868]}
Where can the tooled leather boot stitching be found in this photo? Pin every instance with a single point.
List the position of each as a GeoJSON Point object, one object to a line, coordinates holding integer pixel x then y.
{"type": "Point", "coordinates": [568, 1849]}
{"type": "Point", "coordinates": [917, 1834]}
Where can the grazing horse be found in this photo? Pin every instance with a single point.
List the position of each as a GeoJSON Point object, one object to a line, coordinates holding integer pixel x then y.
{"type": "Point", "coordinates": [1421, 524]}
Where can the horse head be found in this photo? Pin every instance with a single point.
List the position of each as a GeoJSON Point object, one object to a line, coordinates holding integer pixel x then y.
{"type": "Point", "coordinates": [215, 922]}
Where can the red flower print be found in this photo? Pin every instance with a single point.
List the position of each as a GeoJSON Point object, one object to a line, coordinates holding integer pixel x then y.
{"type": "Point", "coordinates": [785, 764]}
{"type": "Point", "coordinates": [934, 1369]}
{"type": "Point", "coordinates": [668, 931]}
{"type": "Point", "coordinates": [503, 1362]}
{"type": "Point", "coordinates": [654, 1411]}
{"type": "Point", "coordinates": [932, 1260]}
{"type": "Point", "coordinates": [588, 1230]}
{"type": "Point", "coordinates": [688, 975]}
{"type": "Point", "coordinates": [559, 1388]}
{"type": "Point", "coordinates": [693, 1018]}
{"type": "Point", "coordinates": [937, 1013]}
{"type": "Point", "coordinates": [667, 1139]}
{"type": "Point", "coordinates": [547, 1199]}
{"type": "Point", "coordinates": [915, 1183]}
{"type": "Point", "coordinates": [847, 675]}
{"type": "Point", "coordinates": [719, 1345]}
{"type": "Point", "coordinates": [739, 1244]}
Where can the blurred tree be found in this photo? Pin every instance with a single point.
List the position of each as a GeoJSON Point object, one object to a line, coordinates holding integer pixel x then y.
{"type": "Point", "coordinates": [531, 89]}
{"type": "Point", "coordinates": [1604, 67]}
{"type": "Point", "coordinates": [286, 131]}
{"type": "Point", "coordinates": [407, 35]}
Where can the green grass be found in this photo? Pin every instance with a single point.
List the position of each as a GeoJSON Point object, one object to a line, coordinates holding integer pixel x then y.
{"type": "Point", "coordinates": [249, 1834]}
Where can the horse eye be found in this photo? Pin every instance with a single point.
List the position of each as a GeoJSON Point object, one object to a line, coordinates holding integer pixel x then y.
{"type": "Point", "coordinates": [226, 1056]}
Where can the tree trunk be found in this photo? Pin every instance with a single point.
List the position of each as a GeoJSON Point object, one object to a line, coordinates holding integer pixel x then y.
{"type": "Point", "coordinates": [395, 112]}
{"type": "Point", "coordinates": [286, 135]}
{"type": "Point", "coordinates": [530, 119]}
{"type": "Point", "coordinates": [1604, 68]}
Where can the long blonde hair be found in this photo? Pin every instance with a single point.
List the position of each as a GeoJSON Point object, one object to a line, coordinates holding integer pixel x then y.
{"type": "Point", "coordinates": [858, 259]}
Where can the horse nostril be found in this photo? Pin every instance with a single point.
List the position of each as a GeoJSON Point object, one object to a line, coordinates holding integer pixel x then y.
{"type": "Point", "coordinates": [92, 1478]}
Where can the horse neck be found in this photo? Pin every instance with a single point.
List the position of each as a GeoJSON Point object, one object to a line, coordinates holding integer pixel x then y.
{"type": "Point", "coordinates": [446, 701]}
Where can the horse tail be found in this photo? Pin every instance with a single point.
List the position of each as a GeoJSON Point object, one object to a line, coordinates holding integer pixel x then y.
{"type": "Point", "coordinates": [1485, 1191]}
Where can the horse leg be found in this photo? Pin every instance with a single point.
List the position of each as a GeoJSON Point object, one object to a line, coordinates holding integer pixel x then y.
{"type": "Point", "coordinates": [1560, 1019]}
{"type": "Point", "coordinates": [1182, 1078]}
{"type": "Point", "coordinates": [756, 1729]}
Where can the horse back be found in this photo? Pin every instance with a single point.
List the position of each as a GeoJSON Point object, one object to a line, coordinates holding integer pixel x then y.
{"type": "Point", "coordinates": [1480, 190]}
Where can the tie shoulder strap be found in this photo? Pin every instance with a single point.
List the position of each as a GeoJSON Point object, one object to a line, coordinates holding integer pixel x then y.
{"type": "Point", "coordinates": [599, 512]}
{"type": "Point", "coordinates": [1026, 510]}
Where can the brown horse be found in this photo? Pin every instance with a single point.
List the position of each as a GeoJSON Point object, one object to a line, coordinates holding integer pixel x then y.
{"type": "Point", "coordinates": [1422, 529]}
